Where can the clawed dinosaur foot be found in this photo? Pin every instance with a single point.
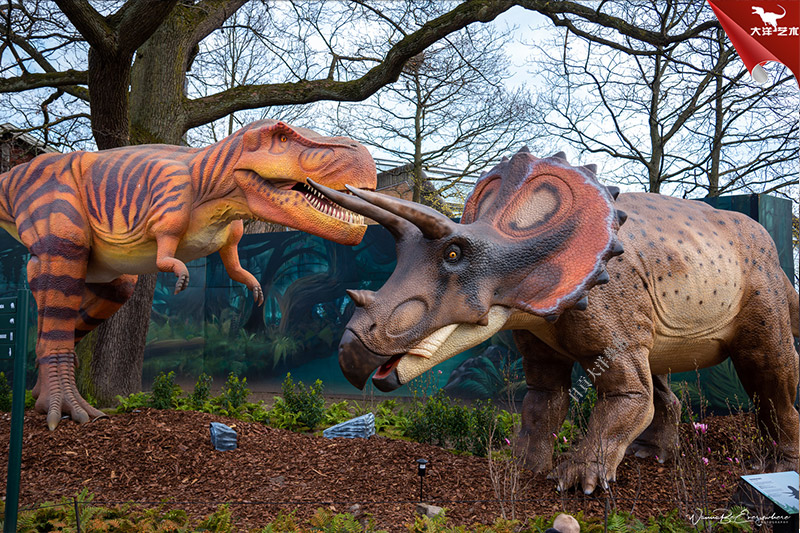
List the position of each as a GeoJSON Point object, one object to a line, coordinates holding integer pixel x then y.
{"type": "Point", "coordinates": [182, 283]}
{"type": "Point", "coordinates": [589, 474]}
{"type": "Point", "coordinates": [258, 295]}
{"type": "Point", "coordinates": [56, 392]}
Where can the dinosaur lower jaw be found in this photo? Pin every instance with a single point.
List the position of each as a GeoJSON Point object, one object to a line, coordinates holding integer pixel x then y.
{"type": "Point", "coordinates": [325, 206]}
{"type": "Point", "coordinates": [447, 342]}
{"type": "Point", "coordinates": [358, 361]}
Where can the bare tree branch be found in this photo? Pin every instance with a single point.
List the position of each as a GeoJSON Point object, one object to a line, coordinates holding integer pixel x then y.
{"type": "Point", "coordinates": [206, 109]}
{"type": "Point", "coordinates": [43, 79]}
{"type": "Point", "coordinates": [91, 24]}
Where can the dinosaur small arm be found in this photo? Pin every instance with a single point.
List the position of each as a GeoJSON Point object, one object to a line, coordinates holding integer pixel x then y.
{"type": "Point", "coordinates": [93, 221]}
{"type": "Point", "coordinates": [540, 251]}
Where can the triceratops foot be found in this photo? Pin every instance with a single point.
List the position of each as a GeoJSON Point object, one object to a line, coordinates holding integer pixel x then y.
{"type": "Point", "coordinates": [589, 473]}
{"type": "Point", "coordinates": [644, 449]}
{"type": "Point", "coordinates": [56, 392]}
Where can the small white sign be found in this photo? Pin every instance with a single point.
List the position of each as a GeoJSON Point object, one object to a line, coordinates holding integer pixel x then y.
{"type": "Point", "coordinates": [780, 487]}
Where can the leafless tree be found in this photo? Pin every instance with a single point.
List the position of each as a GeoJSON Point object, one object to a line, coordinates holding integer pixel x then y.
{"type": "Point", "coordinates": [682, 117]}
{"type": "Point", "coordinates": [449, 108]}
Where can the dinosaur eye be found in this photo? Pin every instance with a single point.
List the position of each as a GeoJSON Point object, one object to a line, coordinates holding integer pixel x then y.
{"type": "Point", "coordinates": [283, 138]}
{"type": "Point", "coordinates": [452, 254]}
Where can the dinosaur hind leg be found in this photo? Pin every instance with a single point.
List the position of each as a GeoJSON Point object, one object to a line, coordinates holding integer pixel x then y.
{"type": "Point", "coordinates": [660, 439]}
{"type": "Point", "coordinates": [57, 283]}
{"type": "Point", "coordinates": [767, 365]}
{"type": "Point", "coordinates": [100, 301]}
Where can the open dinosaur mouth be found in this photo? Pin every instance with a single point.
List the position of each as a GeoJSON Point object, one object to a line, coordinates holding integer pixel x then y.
{"type": "Point", "coordinates": [325, 206]}
{"type": "Point", "coordinates": [386, 368]}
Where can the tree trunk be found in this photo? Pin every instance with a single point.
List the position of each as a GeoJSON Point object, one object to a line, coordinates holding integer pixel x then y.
{"type": "Point", "coordinates": [156, 116]}
{"type": "Point", "coordinates": [116, 367]}
{"type": "Point", "coordinates": [719, 117]}
{"type": "Point", "coordinates": [111, 369]}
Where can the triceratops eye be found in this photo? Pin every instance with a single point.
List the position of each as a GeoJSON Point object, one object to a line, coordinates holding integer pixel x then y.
{"type": "Point", "coordinates": [452, 254]}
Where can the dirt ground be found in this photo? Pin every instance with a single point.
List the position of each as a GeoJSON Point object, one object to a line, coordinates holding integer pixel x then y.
{"type": "Point", "coordinates": [155, 456]}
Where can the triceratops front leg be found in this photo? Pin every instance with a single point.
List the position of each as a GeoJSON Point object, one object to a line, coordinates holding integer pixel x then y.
{"type": "Point", "coordinates": [546, 402]}
{"type": "Point", "coordinates": [623, 410]}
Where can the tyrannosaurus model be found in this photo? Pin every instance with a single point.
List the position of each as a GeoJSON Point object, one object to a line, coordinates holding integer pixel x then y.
{"type": "Point", "coordinates": [93, 221]}
{"type": "Point", "coordinates": [694, 286]}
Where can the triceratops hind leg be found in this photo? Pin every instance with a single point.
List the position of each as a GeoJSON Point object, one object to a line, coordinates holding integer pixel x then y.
{"type": "Point", "coordinates": [767, 365]}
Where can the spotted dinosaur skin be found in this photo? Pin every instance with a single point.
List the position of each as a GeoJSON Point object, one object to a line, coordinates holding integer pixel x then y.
{"type": "Point", "coordinates": [539, 251]}
{"type": "Point", "coordinates": [93, 221]}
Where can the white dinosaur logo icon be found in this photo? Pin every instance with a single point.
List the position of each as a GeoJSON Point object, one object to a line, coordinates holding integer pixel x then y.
{"type": "Point", "coordinates": [769, 19]}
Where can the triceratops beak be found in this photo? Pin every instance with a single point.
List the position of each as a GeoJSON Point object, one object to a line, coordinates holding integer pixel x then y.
{"type": "Point", "coordinates": [359, 362]}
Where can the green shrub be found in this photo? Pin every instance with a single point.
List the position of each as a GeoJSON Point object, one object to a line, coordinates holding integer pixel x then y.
{"type": "Point", "coordinates": [5, 394]}
{"type": "Point", "coordinates": [389, 422]}
{"type": "Point", "coordinates": [307, 403]}
{"type": "Point", "coordinates": [136, 400]}
{"type": "Point", "coordinates": [165, 393]}
{"type": "Point", "coordinates": [202, 391]}
{"type": "Point", "coordinates": [30, 401]}
{"type": "Point", "coordinates": [234, 392]}
{"type": "Point", "coordinates": [565, 437]}
{"type": "Point", "coordinates": [281, 417]}
{"type": "Point", "coordinates": [219, 522]}
{"type": "Point", "coordinates": [440, 421]}
{"type": "Point", "coordinates": [327, 521]}
{"type": "Point", "coordinates": [337, 413]}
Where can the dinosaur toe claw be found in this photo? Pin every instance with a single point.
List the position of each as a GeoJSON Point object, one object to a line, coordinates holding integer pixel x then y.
{"type": "Point", "coordinates": [58, 393]}
{"type": "Point", "coordinates": [182, 283]}
{"type": "Point", "coordinates": [258, 295]}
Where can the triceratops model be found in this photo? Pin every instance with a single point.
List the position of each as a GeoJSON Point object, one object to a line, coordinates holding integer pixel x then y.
{"type": "Point", "coordinates": [93, 221]}
{"type": "Point", "coordinates": [694, 286]}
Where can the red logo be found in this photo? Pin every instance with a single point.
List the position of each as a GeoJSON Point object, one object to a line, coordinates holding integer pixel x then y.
{"type": "Point", "coordinates": [762, 31]}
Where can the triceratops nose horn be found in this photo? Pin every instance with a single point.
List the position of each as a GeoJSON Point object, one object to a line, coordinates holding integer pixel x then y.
{"type": "Point", "coordinates": [430, 222]}
{"type": "Point", "coordinates": [361, 298]}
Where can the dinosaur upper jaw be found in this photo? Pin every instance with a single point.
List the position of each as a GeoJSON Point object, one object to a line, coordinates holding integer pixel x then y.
{"type": "Point", "coordinates": [293, 203]}
{"type": "Point", "coordinates": [358, 361]}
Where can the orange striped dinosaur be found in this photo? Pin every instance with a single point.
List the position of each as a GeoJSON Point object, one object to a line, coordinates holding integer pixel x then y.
{"type": "Point", "coordinates": [93, 221]}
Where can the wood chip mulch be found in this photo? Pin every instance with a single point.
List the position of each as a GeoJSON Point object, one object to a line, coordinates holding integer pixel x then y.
{"type": "Point", "coordinates": [154, 456]}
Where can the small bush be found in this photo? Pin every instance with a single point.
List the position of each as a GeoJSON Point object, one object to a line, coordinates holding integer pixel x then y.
{"type": "Point", "coordinates": [565, 437]}
{"type": "Point", "coordinates": [165, 393]}
{"type": "Point", "coordinates": [219, 522]}
{"type": "Point", "coordinates": [281, 417]}
{"type": "Point", "coordinates": [234, 392]}
{"type": "Point", "coordinates": [337, 413]}
{"type": "Point", "coordinates": [439, 421]}
{"type": "Point", "coordinates": [202, 391]}
{"type": "Point", "coordinates": [5, 394]}
{"type": "Point", "coordinates": [307, 403]}
{"type": "Point", "coordinates": [136, 400]}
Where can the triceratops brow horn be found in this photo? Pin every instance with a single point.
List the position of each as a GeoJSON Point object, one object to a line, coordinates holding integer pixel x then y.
{"type": "Point", "coordinates": [396, 225]}
{"type": "Point", "coordinates": [430, 222]}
